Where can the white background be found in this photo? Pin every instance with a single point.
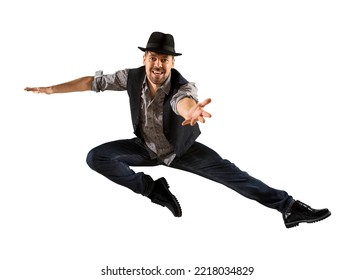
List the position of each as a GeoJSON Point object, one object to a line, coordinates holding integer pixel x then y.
{"type": "Point", "coordinates": [281, 77]}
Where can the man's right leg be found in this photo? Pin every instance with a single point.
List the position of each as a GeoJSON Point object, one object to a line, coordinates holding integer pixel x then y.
{"type": "Point", "coordinates": [113, 160]}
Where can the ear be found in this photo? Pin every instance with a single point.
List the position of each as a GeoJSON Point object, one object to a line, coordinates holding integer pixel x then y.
{"type": "Point", "coordinates": [173, 62]}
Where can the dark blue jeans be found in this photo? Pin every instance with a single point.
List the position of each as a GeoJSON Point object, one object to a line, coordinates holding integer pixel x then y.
{"type": "Point", "coordinates": [113, 160]}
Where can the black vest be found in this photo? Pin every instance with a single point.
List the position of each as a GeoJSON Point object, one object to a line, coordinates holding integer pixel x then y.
{"type": "Point", "coordinates": [180, 137]}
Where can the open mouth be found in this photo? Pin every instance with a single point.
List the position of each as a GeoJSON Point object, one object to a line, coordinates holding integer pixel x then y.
{"type": "Point", "coordinates": [157, 72]}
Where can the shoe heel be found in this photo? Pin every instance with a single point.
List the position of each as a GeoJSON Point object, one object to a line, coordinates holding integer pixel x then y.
{"type": "Point", "coordinates": [291, 225]}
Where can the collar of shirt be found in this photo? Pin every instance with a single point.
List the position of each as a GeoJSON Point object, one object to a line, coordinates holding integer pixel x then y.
{"type": "Point", "coordinates": [165, 87]}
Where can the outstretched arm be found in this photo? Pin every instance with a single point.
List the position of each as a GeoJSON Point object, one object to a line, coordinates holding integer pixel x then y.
{"type": "Point", "coordinates": [193, 112]}
{"type": "Point", "coordinates": [80, 84]}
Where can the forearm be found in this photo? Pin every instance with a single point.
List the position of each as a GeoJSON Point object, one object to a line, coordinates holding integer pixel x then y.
{"type": "Point", "coordinates": [80, 84]}
{"type": "Point", "coordinates": [186, 90]}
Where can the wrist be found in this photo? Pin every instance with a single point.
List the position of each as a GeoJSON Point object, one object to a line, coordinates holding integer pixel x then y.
{"type": "Point", "coordinates": [184, 105]}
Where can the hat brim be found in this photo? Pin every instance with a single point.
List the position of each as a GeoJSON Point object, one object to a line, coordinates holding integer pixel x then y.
{"type": "Point", "coordinates": [159, 51]}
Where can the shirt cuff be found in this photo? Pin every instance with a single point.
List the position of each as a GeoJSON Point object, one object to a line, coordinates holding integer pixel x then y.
{"type": "Point", "coordinates": [95, 86]}
{"type": "Point", "coordinates": [186, 90]}
{"type": "Point", "coordinates": [175, 100]}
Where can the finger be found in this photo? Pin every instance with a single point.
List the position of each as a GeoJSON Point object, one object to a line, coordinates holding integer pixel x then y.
{"type": "Point", "coordinates": [191, 122]}
{"type": "Point", "coordinates": [33, 89]}
{"type": "Point", "coordinates": [41, 90]}
{"type": "Point", "coordinates": [205, 102]}
{"type": "Point", "coordinates": [201, 119]}
{"type": "Point", "coordinates": [185, 122]}
{"type": "Point", "coordinates": [206, 114]}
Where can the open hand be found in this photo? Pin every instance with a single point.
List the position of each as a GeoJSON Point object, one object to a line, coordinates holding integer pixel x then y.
{"type": "Point", "coordinates": [197, 113]}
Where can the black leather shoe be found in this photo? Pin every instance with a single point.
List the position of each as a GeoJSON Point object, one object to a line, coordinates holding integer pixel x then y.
{"type": "Point", "coordinates": [162, 196]}
{"type": "Point", "coordinates": [302, 213]}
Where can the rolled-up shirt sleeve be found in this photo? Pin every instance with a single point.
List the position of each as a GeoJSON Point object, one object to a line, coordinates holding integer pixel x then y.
{"type": "Point", "coordinates": [186, 90]}
{"type": "Point", "coordinates": [116, 81]}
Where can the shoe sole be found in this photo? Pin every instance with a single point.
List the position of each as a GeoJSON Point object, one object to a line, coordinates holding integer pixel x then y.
{"type": "Point", "coordinates": [294, 224]}
{"type": "Point", "coordinates": [179, 213]}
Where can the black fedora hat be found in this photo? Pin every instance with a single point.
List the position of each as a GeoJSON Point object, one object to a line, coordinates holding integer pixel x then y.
{"type": "Point", "coordinates": [161, 43]}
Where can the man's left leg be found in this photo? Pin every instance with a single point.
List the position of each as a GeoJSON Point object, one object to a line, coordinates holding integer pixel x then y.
{"type": "Point", "coordinates": [203, 161]}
